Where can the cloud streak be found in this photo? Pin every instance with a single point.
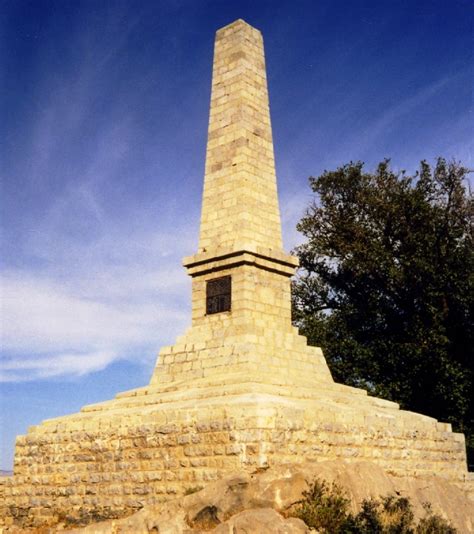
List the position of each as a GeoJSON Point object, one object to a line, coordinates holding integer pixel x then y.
{"type": "Point", "coordinates": [44, 315]}
{"type": "Point", "coordinates": [384, 123]}
{"type": "Point", "coordinates": [82, 322]}
{"type": "Point", "coordinates": [90, 290]}
{"type": "Point", "coordinates": [92, 273]}
{"type": "Point", "coordinates": [16, 370]}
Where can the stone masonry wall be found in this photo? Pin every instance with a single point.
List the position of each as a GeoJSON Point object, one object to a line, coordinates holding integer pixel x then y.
{"type": "Point", "coordinates": [108, 467]}
{"type": "Point", "coordinates": [240, 203]}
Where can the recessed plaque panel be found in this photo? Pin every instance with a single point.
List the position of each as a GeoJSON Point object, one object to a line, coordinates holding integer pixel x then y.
{"type": "Point", "coordinates": [218, 295]}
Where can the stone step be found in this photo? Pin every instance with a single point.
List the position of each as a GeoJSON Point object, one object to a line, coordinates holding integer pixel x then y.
{"type": "Point", "coordinates": [146, 396]}
{"type": "Point", "coordinates": [331, 407]}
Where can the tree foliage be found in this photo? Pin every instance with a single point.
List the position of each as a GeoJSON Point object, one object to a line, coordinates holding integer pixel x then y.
{"type": "Point", "coordinates": [386, 284]}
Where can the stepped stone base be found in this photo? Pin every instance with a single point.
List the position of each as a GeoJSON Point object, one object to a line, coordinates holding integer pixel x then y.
{"type": "Point", "coordinates": [238, 390]}
{"type": "Point", "coordinates": [157, 442]}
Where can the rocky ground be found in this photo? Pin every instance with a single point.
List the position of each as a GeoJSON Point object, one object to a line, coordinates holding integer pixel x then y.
{"type": "Point", "coordinates": [261, 503]}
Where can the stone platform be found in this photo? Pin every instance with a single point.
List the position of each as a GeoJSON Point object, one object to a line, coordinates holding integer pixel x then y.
{"type": "Point", "coordinates": [156, 442]}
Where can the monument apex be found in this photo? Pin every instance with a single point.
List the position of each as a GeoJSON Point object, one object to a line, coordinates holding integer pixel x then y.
{"type": "Point", "coordinates": [240, 203]}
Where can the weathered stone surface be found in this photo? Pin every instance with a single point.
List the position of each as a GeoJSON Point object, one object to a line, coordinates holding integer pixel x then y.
{"type": "Point", "coordinates": [263, 521]}
{"type": "Point", "coordinates": [240, 203]}
{"type": "Point", "coordinates": [111, 469]}
{"type": "Point", "coordinates": [243, 501]}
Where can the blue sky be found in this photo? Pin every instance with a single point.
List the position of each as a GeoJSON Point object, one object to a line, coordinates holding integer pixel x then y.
{"type": "Point", "coordinates": [104, 108]}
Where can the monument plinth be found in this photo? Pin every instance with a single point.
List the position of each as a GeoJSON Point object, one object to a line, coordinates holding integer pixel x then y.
{"type": "Point", "coordinates": [240, 389]}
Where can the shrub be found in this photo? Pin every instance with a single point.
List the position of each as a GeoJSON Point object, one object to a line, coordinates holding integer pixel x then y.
{"type": "Point", "coordinates": [387, 515]}
{"type": "Point", "coordinates": [433, 523]}
{"type": "Point", "coordinates": [326, 508]}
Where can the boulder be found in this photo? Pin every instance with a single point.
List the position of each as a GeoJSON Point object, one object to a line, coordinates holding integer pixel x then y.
{"type": "Point", "coordinates": [244, 503]}
{"type": "Point", "coordinates": [261, 521]}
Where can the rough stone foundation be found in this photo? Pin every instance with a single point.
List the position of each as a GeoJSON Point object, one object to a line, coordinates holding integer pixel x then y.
{"type": "Point", "coordinates": [116, 457]}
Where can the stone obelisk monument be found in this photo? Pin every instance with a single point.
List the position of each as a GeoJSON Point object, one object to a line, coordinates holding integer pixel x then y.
{"type": "Point", "coordinates": [241, 330]}
{"type": "Point", "coordinates": [240, 389]}
{"type": "Point", "coordinates": [241, 309]}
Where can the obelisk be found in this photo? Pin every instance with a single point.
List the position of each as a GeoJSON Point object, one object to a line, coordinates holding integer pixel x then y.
{"type": "Point", "coordinates": [241, 305]}
{"type": "Point", "coordinates": [240, 204]}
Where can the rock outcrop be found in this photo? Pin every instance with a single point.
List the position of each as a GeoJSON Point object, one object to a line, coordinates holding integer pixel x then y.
{"type": "Point", "coordinates": [262, 502]}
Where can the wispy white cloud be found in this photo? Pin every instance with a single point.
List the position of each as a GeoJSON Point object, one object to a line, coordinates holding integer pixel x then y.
{"type": "Point", "coordinates": [90, 278]}
{"type": "Point", "coordinates": [382, 124]}
{"type": "Point", "coordinates": [410, 129]}
{"type": "Point", "coordinates": [41, 315]}
{"type": "Point", "coordinates": [82, 322]}
{"type": "Point", "coordinates": [293, 206]}
{"type": "Point", "coordinates": [76, 364]}
{"type": "Point", "coordinates": [82, 300]}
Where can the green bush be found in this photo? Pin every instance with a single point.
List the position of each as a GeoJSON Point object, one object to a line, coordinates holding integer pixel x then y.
{"type": "Point", "coordinates": [433, 523]}
{"type": "Point", "coordinates": [387, 515]}
{"type": "Point", "coordinates": [326, 508]}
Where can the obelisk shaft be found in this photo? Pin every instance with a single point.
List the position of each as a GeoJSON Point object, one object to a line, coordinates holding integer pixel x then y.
{"type": "Point", "coordinates": [240, 203]}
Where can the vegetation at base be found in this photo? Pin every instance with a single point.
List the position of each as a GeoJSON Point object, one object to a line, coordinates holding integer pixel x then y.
{"type": "Point", "coordinates": [326, 509]}
{"type": "Point", "coordinates": [386, 285]}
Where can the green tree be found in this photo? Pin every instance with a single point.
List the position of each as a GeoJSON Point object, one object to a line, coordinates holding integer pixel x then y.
{"type": "Point", "coordinates": [386, 285]}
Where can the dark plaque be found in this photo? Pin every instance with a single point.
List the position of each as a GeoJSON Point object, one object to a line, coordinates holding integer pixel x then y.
{"type": "Point", "coordinates": [218, 293]}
